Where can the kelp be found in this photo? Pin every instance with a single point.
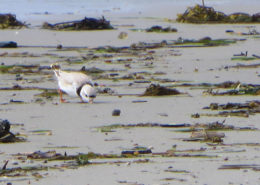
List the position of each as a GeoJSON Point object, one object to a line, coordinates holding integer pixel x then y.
{"type": "Point", "coordinates": [159, 29]}
{"type": "Point", "coordinates": [14, 69]}
{"type": "Point", "coordinates": [84, 24]}
{"type": "Point", "coordinates": [234, 109]}
{"type": "Point", "coordinates": [10, 21]}
{"type": "Point", "coordinates": [203, 42]}
{"type": "Point", "coordinates": [6, 136]}
{"type": "Point", "coordinates": [157, 90]}
{"type": "Point", "coordinates": [202, 14]}
{"type": "Point", "coordinates": [249, 90]}
{"type": "Point", "coordinates": [110, 128]}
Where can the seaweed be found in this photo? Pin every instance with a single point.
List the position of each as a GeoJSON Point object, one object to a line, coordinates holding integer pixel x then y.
{"type": "Point", "coordinates": [159, 29]}
{"type": "Point", "coordinates": [9, 21]}
{"type": "Point", "coordinates": [157, 90]}
{"type": "Point", "coordinates": [202, 14]}
{"type": "Point", "coordinates": [5, 135]}
{"type": "Point", "coordinates": [84, 24]}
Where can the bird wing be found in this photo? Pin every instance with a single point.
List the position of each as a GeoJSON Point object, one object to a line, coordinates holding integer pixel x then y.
{"type": "Point", "coordinates": [75, 79]}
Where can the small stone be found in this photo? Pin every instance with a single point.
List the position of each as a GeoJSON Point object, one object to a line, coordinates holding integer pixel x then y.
{"type": "Point", "coordinates": [116, 112]}
{"type": "Point", "coordinates": [59, 46]}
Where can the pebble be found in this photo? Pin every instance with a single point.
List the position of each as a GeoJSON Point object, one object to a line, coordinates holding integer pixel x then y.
{"type": "Point", "coordinates": [116, 112]}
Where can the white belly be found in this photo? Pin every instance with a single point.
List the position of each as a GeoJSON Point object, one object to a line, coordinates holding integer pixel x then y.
{"type": "Point", "coordinates": [68, 89]}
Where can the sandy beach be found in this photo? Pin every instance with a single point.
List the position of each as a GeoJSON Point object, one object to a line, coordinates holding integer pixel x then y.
{"type": "Point", "coordinates": [79, 128]}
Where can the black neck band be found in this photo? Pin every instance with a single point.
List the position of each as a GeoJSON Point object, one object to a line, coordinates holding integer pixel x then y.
{"type": "Point", "coordinates": [80, 87]}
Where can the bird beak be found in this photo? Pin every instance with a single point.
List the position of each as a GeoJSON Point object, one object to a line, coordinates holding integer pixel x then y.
{"type": "Point", "coordinates": [91, 100]}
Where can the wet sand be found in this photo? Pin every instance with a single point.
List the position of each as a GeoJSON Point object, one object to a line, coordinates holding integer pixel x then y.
{"type": "Point", "coordinates": [73, 127]}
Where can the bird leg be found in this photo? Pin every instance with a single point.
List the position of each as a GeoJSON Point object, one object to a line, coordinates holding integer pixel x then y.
{"type": "Point", "coordinates": [61, 99]}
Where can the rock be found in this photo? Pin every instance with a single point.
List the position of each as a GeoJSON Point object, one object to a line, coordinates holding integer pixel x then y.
{"type": "Point", "coordinates": [59, 46]}
{"type": "Point", "coordinates": [116, 112]}
{"type": "Point", "coordinates": [9, 44]}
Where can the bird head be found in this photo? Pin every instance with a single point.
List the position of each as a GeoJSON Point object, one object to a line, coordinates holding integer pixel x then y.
{"type": "Point", "coordinates": [88, 93]}
{"type": "Point", "coordinates": [55, 66]}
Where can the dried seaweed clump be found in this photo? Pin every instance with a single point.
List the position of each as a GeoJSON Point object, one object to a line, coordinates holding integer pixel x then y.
{"type": "Point", "coordinates": [160, 29]}
{"type": "Point", "coordinates": [157, 90]}
{"type": "Point", "coordinates": [10, 21]}
{"type": "Point", "coordinates": [202, 14]}
{"type": "Point", "coordinates": [84, 24]}
{"type": "Point", "coordinates": [5, 135]}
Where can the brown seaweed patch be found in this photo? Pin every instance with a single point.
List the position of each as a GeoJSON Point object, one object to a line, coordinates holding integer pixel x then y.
{"type": "Point", "coordinates": [14, 69]}
{"type": "Point", "coordinates": [10, 21]}
{"type": "Point", "coordinates": [254, 167]}
{"type": "Point", "coordinates": [203, 14]}
{"type": "Point", "coordinates": [238, 91]}
{"type": "Point", "coordinates": [110, 128]}
{"type": "Point", "coordinates": [84, 24]}
{"type": "Point", "coordinates": [159, 29]}
{"type": "Point", "coordinates": [6, 136]}
{"type": "Point", "coordinates": [247, 105]}
{"type": "Point", "coordinates": [157, 90]}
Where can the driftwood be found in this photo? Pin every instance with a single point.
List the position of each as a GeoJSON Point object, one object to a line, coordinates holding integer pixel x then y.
{"type": "Point", "coordinates": [84, 24]}
{"type": "Point", "coordinates": [256, 56]}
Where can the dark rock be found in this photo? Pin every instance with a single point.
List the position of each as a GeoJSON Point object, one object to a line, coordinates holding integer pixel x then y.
{"type": "Point", "coordinates": [116, 112]}
{"type": "Point", "coordinates": [59, 46]}
{"type": "Point", "coordinates": [9, 44]}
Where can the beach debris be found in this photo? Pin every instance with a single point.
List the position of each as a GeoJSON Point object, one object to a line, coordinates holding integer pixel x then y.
{"type": "Point", "coordinates": [234, 109]}
{"type": "Point", "coordinates": [23, 69]}
{"type": "Point", "coordinates": [59, 46]}
{"type": "Point", "coordinates": [111, 128]}
{"type": "Point", "coordinates": [248, 105]}
{"type": "Point", "coordinates": [137, 151]}
{"type": "Point", "coordinates": [160, 29]}
{"type": "Point", "coordinates": [251, 31]}
{"type": "Point", "coordinates": [239, 90]}
{"type": "Point", "coordinates": [84, 24]}
{"type": "Point", "coordinates": [8, 44]}
{"type": "Point", "coordinates": [255, 167]}
{"type": "Point", "coordinates": [5, 135]}
{"type": "Point", "coordinates": [123, 35]}
{"type": "Point", "coordinates": [206, 136]}
{"type": "Point", "coordinates": [10, 21]}
{"type": "Point", "coordinates": [116, 112]}
{"type": "Point", "coordinates": [241, 54]}
{"type": "Point", "coordinates": [158, 90]}
{"type": "Point", "coordinates": [203, 14]}
{"type": "Point", "coordinates": [203, 42]}
{"type": "Point", "coordinates": [43, 155]}
{"type": "Point", "coordinates": [48, 94]}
